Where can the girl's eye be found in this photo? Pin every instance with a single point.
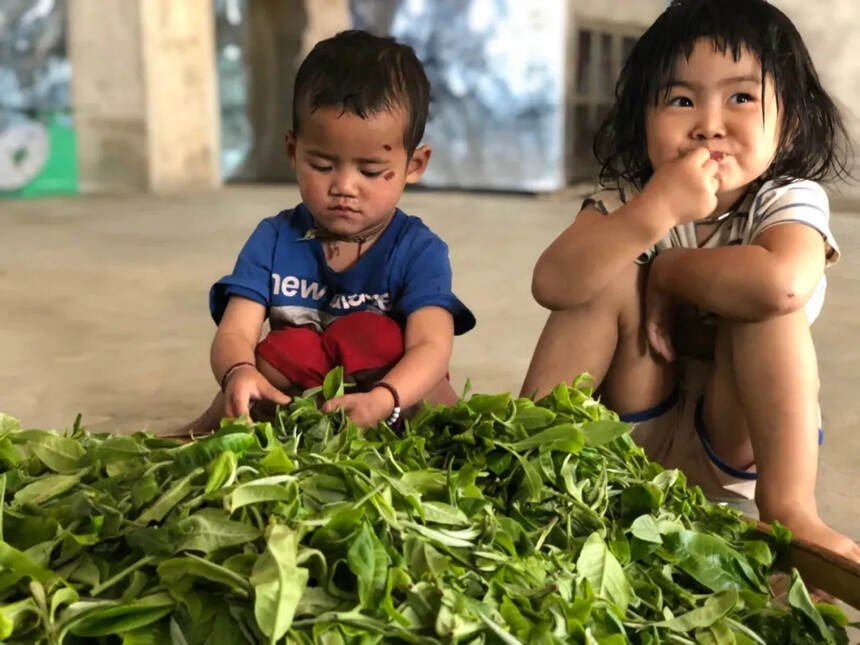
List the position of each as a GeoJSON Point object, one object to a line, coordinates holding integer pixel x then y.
{"type": "Point", "coordinates": [369, 173]}
{"type": "Point", "coordinates": [741, 97]}
{"type": "Point", "coordinates": [319, 168]}
{"type": "Point", "coordinates": [680, 101]}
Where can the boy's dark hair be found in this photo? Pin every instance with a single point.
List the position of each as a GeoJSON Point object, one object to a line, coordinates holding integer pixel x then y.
{"type": "Point", "coordinates": [364, 74]}
{"type": "Point", "coordinates": [813, 143]}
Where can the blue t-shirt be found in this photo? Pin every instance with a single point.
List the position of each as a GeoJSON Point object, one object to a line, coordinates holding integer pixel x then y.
{"type": "Point", "coordinates": [406, 268]}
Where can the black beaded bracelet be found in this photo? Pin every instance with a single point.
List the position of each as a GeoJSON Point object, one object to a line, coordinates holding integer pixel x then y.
{"type": "Point", "coordinates": [395, 414]}
{"type": "Point", "coordinates": [230, 371]}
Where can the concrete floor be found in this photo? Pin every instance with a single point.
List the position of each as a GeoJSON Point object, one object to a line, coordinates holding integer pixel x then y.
{"type": "Point", "coordinates": [104, 307]}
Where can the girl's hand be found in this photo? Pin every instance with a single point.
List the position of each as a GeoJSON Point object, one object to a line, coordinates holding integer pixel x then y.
{"type": "Point", "coordinates": [246, 384]}
{"type": "Point", "coordinates": [659, 316]}
{"type": "Point", "coordinates": [364, 409]}
{"type": "Point", "coordinates": [686, 187]}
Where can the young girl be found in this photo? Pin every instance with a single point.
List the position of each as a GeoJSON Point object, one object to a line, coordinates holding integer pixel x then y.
{"type": "Point", "coordinates": [709, 242]}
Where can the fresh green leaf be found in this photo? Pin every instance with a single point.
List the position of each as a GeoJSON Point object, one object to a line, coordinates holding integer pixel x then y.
{"type": "Point", "coordinates": [333, 384]}
{"type": "Point", "coordinates": [645, 528]}
{"type": "Point", "coordinates": [798, 599]}
{"type": "Point", "coordinates": [715, 607]}
{"type": "Point", "coordinates": [567, 436]}
{"type": "Point", "coordinates": [46, 488]}
{"type": "Point", "coordinates": [210, 529]}
{"type": "Point", "coordinates": [598, 433]}
{"type": "Point", "coordinates": [278, 583]}
{"type": "Point", "coordinates": [597, 564]}
{"type": "Point", "coordinates": [369, 562]}
{"type": "Point", "coordinates": [123, 618]}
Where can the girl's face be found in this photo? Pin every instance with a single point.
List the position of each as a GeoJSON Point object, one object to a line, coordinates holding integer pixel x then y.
{"type": "Point", "coordinates": [715, 102]}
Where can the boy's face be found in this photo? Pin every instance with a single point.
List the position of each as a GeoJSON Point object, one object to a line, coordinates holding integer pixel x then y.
{"type": "Point", "coordinates": [716, 102]}
{"type": "Point", "coordinates": [352, 171]}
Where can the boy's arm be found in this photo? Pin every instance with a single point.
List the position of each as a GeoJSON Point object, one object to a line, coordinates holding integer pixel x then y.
{"type": "Point", "coordinates": [428, 342]}
{"type": "Point", "coordinates": [427, 345]}
{"type": "Point", "coordinates": [234, 344]}
{"type": "Point", "coordinates": [237, 334]}
{"type": "Point", "coordinates": [775, 275]}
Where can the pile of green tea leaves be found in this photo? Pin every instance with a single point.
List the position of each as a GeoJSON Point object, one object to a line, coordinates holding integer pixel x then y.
{"type": "Point", "coordinates": [496, 520]}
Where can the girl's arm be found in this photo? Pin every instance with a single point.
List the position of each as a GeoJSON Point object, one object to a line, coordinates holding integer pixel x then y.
{"type": "Point", "coordinates": [596, 248]}
{"type": "Point", "coordinates": [593, 250]}
{"type": "Point", "coordinates": [237, 336]}
{"type": "Point", "coordinates": [773, 276]}
{"type": "Point", "coordinates": [428, 341]}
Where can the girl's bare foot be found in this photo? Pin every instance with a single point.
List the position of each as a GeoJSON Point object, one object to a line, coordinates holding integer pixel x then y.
{"type": "Point", "coordinates": [812, 529]}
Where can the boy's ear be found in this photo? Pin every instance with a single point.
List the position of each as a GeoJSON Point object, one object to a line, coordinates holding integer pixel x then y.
{"type": "Point", "coordinates": [290, 147]}
{"type": "Point", "coordinates": [417, 164]}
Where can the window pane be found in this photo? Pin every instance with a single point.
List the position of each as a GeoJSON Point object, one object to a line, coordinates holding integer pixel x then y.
{"type": "Point", "coordinates": [602, 112]}
{"type": "Point", "coordinates": [607, 67]}
{"type": "Point", "coordinates": [626, 48]}
{"type": "Point", "coordinates": [583, 62]}
{"type": "Point", "coordinates": [583, 136]}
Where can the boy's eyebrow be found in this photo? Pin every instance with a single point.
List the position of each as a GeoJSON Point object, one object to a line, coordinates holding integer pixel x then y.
{"type": "Point", "coordinates": [328, 157]}
{"type": "Point", "coordinates": [317, 153]}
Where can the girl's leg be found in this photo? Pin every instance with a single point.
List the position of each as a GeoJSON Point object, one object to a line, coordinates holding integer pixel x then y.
{"type": "Point", "coordinates": [605, 338]}
{"type": "Point", "coordinates": [761, 407]}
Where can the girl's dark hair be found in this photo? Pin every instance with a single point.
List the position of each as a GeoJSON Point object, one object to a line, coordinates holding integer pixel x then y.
{"type": "Point", "coordinates": [813, 143]}
{"type": "Point", "coordinates": [364, 74]}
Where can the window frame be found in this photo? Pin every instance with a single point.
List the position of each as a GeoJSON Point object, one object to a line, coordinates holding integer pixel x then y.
{"type": "Point", "coordinates": [599, 91]}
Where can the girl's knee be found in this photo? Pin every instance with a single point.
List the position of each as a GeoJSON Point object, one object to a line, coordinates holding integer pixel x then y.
{"type": "Point", "coordinates": [622, 300]}
{"type": "Point", "coordinates": [783, 345]}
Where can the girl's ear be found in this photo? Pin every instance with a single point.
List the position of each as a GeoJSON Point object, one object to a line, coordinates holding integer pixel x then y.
{"type": "Point", "coordinates": [417, 164]}
{"type": "Point", "coordinates": [290, 147]}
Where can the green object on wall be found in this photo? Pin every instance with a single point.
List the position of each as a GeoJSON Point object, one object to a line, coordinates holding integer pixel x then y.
{"type": "Point", "coordinates": [39, 158]}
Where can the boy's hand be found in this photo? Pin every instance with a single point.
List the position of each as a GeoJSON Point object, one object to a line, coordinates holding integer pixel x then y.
{"type": "Point", "coordinates": [364, 409]}
{"type": "Point", "coordinates": [686, 187]}
{"type": "Point", "coordinates": [659, 315]}
{"type": "Point", "coordinates": [246, 384]}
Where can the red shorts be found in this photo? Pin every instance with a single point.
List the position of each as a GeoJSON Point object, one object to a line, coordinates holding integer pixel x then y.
{"type": "Point", "coordinates": [360, 341]}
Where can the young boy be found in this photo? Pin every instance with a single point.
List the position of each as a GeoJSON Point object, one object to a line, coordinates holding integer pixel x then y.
{"type": "Point", "coordinates": [345, 278]}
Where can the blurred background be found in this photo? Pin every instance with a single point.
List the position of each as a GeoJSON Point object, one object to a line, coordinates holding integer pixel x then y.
{"type": "Point", "coordinates": [142, 140]}
{"type": "Point", "coordinates": [159, 95]}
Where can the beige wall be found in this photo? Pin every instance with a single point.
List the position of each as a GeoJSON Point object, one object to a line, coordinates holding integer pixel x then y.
{"type": "Point", "coordinates": [638, 12]}
{"type": "Point", "coordinates": [181, 101]}
{"type": "Point", "coordinates": [831, 31]}
{"type": "Point", "coordinates": [108, 97]}
{"type": "Point", "coordinates": [325, 19]}
{"type": "Point", "coordinates": [143, 93]}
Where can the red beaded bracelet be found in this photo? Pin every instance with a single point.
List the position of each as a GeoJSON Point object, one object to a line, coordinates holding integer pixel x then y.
{"type": "Point", "coordinates": [395, 413]}
{"type": "Point", "coordinates": [230, 371]}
